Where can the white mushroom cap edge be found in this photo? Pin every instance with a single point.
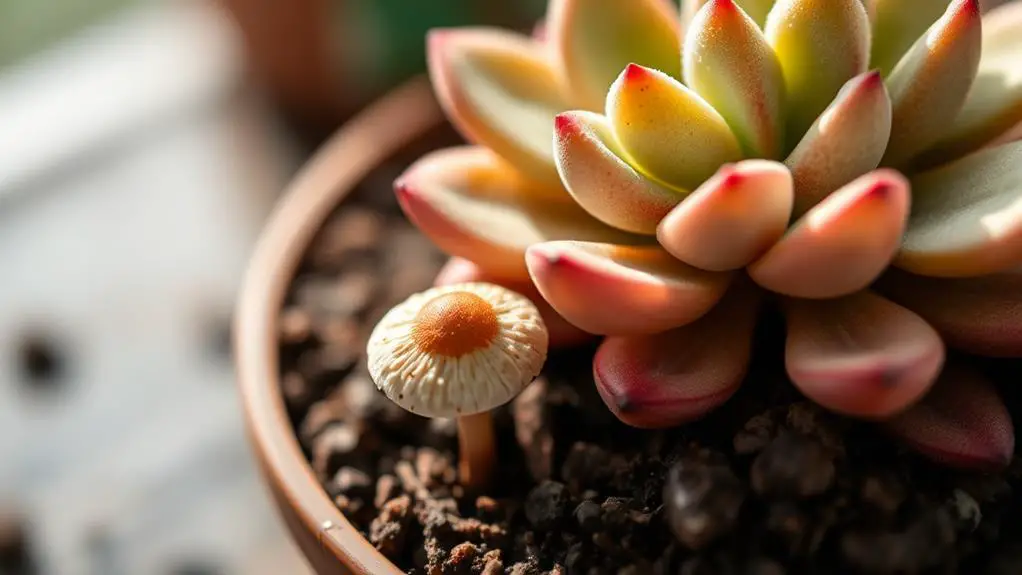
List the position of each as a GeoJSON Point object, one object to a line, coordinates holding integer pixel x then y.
{"type": "Point", "coordinates": [437, 385]}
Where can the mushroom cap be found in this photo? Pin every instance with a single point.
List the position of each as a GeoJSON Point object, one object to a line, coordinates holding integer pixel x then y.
{"type": "Point", "coordinates": [457, 350]}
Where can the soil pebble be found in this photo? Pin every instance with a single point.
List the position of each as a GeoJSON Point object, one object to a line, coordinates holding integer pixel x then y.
{"type": "Point", "coordinates": [793, 465]}
{"type": "Point", "coordinates": [546, 504]}
{"type": "Point", "coordinates": [703, 501]}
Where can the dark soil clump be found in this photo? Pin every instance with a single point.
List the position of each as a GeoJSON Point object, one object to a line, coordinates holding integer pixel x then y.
{"type": "Point", "coordinates": [768, 485]}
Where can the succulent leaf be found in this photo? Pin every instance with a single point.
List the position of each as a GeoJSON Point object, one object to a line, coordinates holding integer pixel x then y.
{"type": "Point", "coordinates": [741, 211]}
{"type": "Point", "coordinates": [930, 83]}
{"type": "Point", "coordinates": [980, 315]}
{"type": "Point", "coordinates": [994, 103]}
{"type": "Point", "coordinates": [967, 216]}
{"type": "Point", "coordinates": [821, 44]}
{"type": "Point", "coordinates": [666, 379]}
{"type": "Point", "coordinates": [846, 141]}
{"type": "Point", "coordinates": [897, 24]}
{"type": "Point", "coordinates": [562, 333]}
{"type": "Point", "coordinates": [729, 63]}
{"type": "Point", "coordinates": [594, 40]}
{"type": "Point", "coordinates": [841, 245]}
{"type": "Point", "coordinates": [622, 290]}
{"type": "Point", "coordinates": [860, 355]}
{"type": "Point", "coordinates": [668, 131]}
{"type": "Point", "coordinates": [473, 205]}
{"type": "Point", "coordinates": [500, 91]}
{"type": "Point", "coordinates": [590, 165]}
{"type": "Point", "coordinates": [962, 422]}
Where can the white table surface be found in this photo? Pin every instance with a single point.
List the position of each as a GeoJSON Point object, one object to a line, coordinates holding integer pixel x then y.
{"type": "Point", "coordinates": [134, 177]}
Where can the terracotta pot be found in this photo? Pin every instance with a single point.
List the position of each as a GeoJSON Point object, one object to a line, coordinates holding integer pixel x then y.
{"type": "Point", "coordinates": [330, 543]}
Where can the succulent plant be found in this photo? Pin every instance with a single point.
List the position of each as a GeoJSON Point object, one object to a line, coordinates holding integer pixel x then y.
{"type": "Point", "coordinates": [660, 179]}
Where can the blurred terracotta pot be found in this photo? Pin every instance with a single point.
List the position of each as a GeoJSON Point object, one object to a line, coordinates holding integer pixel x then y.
{"type": "Point", "coordinates": [287, 45]}
{"type": "Point", "coordinates": [325, 59]}
{"type": "Point", "coordinates": [330, 543]}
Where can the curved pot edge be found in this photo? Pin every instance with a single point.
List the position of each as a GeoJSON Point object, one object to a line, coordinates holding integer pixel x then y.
{"type": "Point", "coordinates": [330, 543]}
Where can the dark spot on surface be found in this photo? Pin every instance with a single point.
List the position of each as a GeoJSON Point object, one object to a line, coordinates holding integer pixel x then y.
{"type": "Point", "coordinates": [41, 360]}
{"type": "Point", "coordinates": [221, 338]}
{"type": "Point", "coordinates": [196, 567]}
{"type": "Point", "coordinates": [15, 546]}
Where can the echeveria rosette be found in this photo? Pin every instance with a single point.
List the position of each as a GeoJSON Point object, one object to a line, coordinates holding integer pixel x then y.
{"type": "Point", "coordinates": [655, 177]}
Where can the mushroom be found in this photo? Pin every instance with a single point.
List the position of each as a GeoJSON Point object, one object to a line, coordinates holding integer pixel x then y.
{"type": "Point", "coordinates": [459, 351]}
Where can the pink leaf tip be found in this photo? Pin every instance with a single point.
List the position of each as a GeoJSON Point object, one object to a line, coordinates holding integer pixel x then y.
{"type": "Point", "coordinates": [402, 189]}
{"type": "Point", "coordinates": [542, 259]}
{"type": "Point", "coordinates": [436, 38]}
{"type": "Point", "coordinates": [872, 79]}
{"type": "Point", "coordinates": [967, 7]}
{"type": "Point", "coordinates": [886, 185]}
{"type": "Point", "coordinates": [635, 73]}
{"type": "Point", "coordinates": [879, 191]}
{"type": "Point", "coordinates": [565, 123]}
{"type": "Point", "coordinates": [540, 31]}
{"type": "Point", "coordinates": [731, 177]}
{"type": "Point", "coordinates": [723, 6]}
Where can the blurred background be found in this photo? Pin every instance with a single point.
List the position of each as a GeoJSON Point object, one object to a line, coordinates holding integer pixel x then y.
{"type": "Point", "coordinates": [142, 145]}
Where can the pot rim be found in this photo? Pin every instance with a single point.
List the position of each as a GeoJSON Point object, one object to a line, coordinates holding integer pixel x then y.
{"type": "Point", "coordinates": [342, 162]}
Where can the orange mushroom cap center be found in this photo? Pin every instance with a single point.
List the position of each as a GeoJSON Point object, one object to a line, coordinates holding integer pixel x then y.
{"type": "Point", "coordinates": [455, 324]}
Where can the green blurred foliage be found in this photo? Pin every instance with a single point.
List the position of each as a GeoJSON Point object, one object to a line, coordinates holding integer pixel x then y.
{"type": "Point", "coordinates": [390, 34]}
{"type": "Point", "coordinates": [27, 26]}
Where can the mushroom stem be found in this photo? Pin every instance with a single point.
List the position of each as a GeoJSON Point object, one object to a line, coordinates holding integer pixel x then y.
{"type": "Point", "coordinates": [478, 450]}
